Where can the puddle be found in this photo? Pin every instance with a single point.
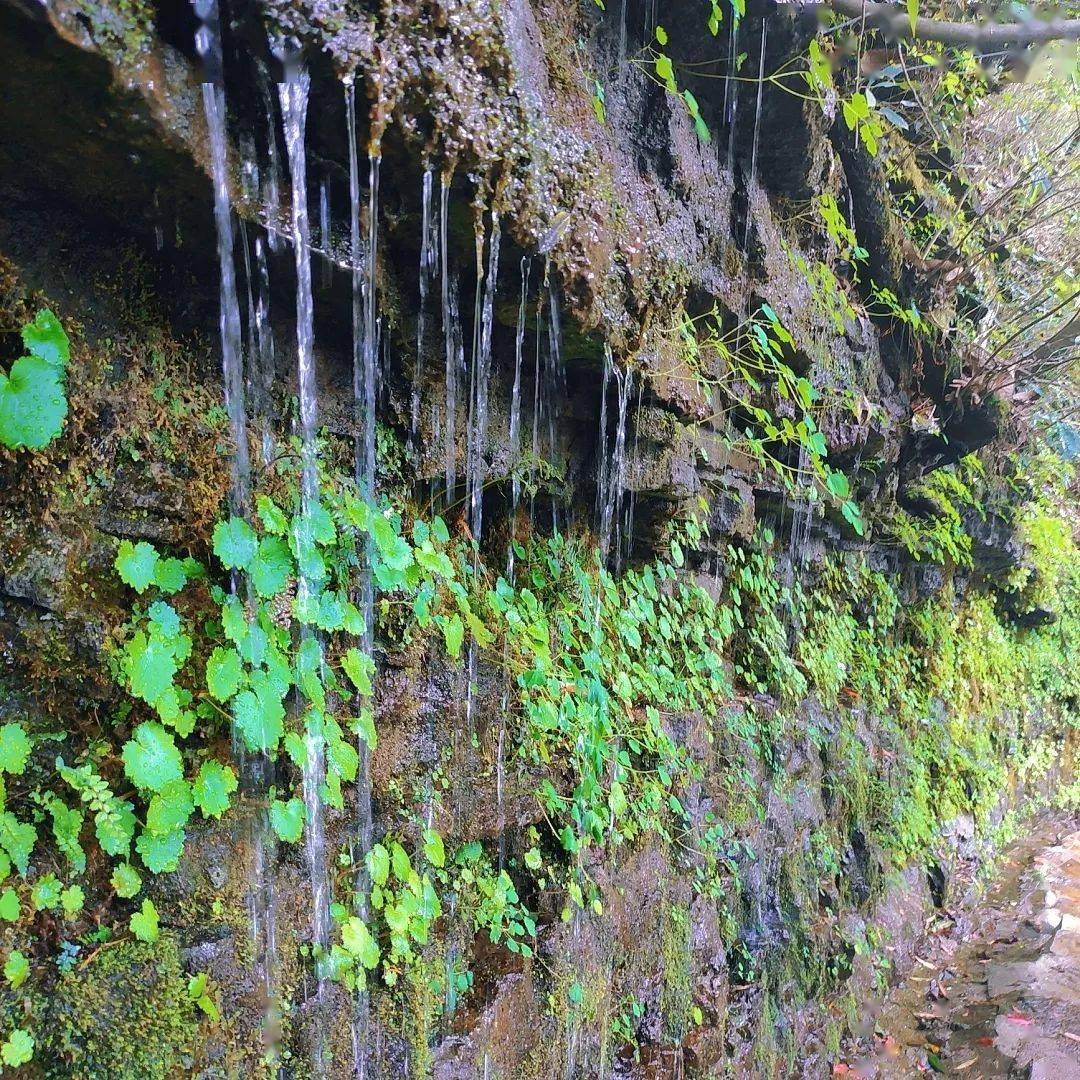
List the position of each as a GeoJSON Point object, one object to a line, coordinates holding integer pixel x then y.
{"type": "Point", "coordinates": [995, 993]}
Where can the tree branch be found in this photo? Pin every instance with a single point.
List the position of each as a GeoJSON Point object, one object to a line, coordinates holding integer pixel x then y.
{"type": "Point", "coordinates": [894, 22]}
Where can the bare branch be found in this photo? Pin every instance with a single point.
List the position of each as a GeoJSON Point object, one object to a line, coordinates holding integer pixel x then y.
{"type": "Point", "coordinates": [894, 22]}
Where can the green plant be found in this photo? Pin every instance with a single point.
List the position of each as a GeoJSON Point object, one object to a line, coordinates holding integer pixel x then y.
{"type": "Point", "coordinates": [33, 402]}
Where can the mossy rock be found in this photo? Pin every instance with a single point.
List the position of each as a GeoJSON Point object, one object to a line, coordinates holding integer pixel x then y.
{"type": "Point", "coordinates": [126, 1015]}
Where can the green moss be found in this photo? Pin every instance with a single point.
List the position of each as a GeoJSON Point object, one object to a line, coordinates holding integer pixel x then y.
{"type": "Point", "coordinates": [126, 1015]}
{"type": "Point", "coordinates": [676, 998]}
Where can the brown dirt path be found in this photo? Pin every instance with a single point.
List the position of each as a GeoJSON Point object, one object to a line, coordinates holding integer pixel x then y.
{"type": "Point", "coordinates": [995, 996]}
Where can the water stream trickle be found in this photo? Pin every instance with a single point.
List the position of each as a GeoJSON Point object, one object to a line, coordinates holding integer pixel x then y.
{"type": "Point", "coordinates": [614, 478]}
{"type": "Point", "coordinates": [731, 95]}
{"type": "Point", "coordinates": [293, 93]}
{"type": "Point", "coordinates": [452, 341]}
{"type": "Point", "coordinates": [264, 351]}
{"type": "Point", "coordinates": [515, 414]}
{"type": "Point", "coordinates": [230, 325]}
{"type": "Point", "coordinates": [631, 502]}
{"type": "Point", "coordinates": [253, 768]}
{"type": "Point", "coordinates": [482, 371]}
{"type": "Point", "coordinates": [757, 124]}
{"type": "Point", "coordinates": [365, 390]}
{"type": "Point", "coordinates": [272, 174]}
{"type": "Point", "coordinates": [427, 269]}
{"type": "Point", "coordinates": [325, 239]}
{"type": "Point", "coordinates": [555, 384]}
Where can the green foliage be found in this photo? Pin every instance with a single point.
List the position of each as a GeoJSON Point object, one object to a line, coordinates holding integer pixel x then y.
{"type": "Point", "coordinates": [16, 969]}
{"type": "Point", "coordinates": [199, 993]}
{"type": "Point", "coordinates": [144, 923]}
{"type": "Point", "coordinates": [14, 749]}
{"type": "Point", "coordinates": [151, 758]}
{"type": "Point", "coordinates": [18, 1048]}
{"type": "Point", "coordinates": [212, 788]}
{"type": "Point", "coordinates": [136, 564]}
{"type": "Point", "coordinates": [746, 368]}
{"type": "Point", "coordinates": [10, 909]}
{"type": "Point", "coordinates": [33, 402]}
{"type": "Point", "coordinates": [45, 893]}
{"type": "Point", "coordinates": [126, 881]}
{"type": "Point", "coordinates": [287, 819]}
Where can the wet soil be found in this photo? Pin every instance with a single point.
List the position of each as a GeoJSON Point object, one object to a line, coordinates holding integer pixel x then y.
{"type": "Point", "coordinates": [995, 992]}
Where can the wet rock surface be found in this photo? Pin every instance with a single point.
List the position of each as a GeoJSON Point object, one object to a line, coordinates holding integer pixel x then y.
{"type": "Point", "coordinates": [995, 994]}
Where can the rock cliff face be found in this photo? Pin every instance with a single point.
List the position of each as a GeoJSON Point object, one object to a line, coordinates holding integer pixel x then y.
{"type": "Point", "coordinates": [535, 126]}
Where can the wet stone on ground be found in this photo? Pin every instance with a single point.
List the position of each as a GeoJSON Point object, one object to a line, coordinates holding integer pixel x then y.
{"type": "Point", "coordinates": [995, 994]}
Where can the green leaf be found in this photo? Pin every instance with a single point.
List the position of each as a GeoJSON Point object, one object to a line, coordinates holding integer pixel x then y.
{"type": "Point", "coordinates": [45, 894]}
{"type": "Point", "coordinates": [67, 825]}
{"type": "Point", "coordinates": [161, 852]}
{"type": "Point", "coordinates": [144, 923]}
{"type": "Point", "coordinates": [72, 900]}
{"type": "Point", "coordinates": [126, 880]}
{"type": "Point", "coordinates": [32, 404]}
{"type": "Point", "coordinates": [150, 665]}
{"type": "Point", "coordinates": [661, 35]}
{"type": "Point", "coordinates": [358, 942]}
{"type": "Point", "coordinates": [913, 14]}
{"type": "Point", "coordinates": [45, 338]}
{"type": "Point", "coordinates": [378, 861]}
{"type": "Point", "coordinates": [272, 566]}
{"type": "Point", "coordinates": [170, 576]}
{"type": "Point", "coordinates": [271, 516]}
{"type": "Point", "coordinates": [235, 543]}
{"type": "Point", "coordinates": [212, 788]}
{"type": "Point", "coordinates": [136, 564]}
{"type": "Point", "coordinates": [224, 673]}
{"type": "Point", "coordinates": [151, 759]}
{"type": "Point", "coordinates": [18, 1049]}
{"type": "Point", "coordinates": [434, 851]}
{"type": "Point", "coordinates": [259, 716]}
{"type": "Point", "coordinates": [14, 749]}
{"type": "Point", "coordinates": [287, 819]}
{"type": "Point", "coordinates": [170, 808]}
{"type": "Point", "coordinates": [16, 969]}
{"type": "Point", "coordinates": [9, 905]}
{"type": "Point", "coordinates": [359, 668]}
{"type": "Point", "coordinates": [454, 634]}
{"type": "Point", "coordinates": [17, 838]}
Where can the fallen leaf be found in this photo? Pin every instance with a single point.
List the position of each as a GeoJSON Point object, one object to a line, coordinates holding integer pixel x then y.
{"type": "Point", "coordinates": [966, 1065]}
{"type": "Point", "coordinates": [1019, 1018]}
{"type": "Point", "coordinates": [984, 1040]}
{"type": "Point", "coordinates": [1070, 1035]}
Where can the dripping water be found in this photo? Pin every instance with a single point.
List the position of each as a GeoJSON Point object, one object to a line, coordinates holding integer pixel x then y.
{"type": "Point", "coordinates": [602, 463]}
{"type": "Point", "coordinates": [555, 383]}
{"type": "Point", "coordinates": [515, 414]}
{"type": "Point", "coordinates": [731, 94]}
{"type": "Point", "coordinates": [272, 177]}
{"type": "Point", "coordinates": [427, 270]}
{"type": "Point", "coordinates": [754, 141]}
{"type": "Point", "coordinates": [631, 502]}
{"type": "Point", "coordinates": [451, 339]}
{"type": "Point", "coordinates": [482, 380]}
{"type": "Point", "coordinates": [293, 93]}
{"type": "Point", "coordinates": [515, 498]}
{"type": "Point", "coordinates": [365, 345]}
{"type": "Point", "coordinates": [264, 351]}
{"type": "Point", "coordinates": [231, 345]}
{"type": "Point", "coordinates": [253, 768]}
{"type": "Point", "coordinates": [614, 478]}
{"type": "Point", "coordinates": [324, 233]}
{"type": "Point", "coordinates": [534, 458]}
